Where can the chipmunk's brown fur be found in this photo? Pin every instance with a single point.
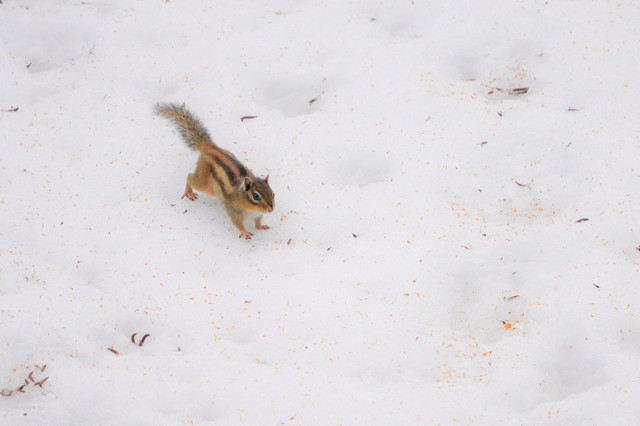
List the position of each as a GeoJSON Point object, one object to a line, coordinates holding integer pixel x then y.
{"type": "Point", "coordinates": [220, 173]}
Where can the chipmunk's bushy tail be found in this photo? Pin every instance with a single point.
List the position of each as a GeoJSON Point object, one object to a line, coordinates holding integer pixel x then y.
{"type": "Point", "coordinates": [191, 129]}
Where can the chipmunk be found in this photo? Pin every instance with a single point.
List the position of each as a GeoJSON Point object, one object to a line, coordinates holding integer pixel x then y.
{"type": "Point", "coordinates": [219, 173]}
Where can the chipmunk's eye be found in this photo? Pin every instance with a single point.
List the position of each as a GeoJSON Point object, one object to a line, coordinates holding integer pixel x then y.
{"type": "Point", "coordinates": [256, 196]}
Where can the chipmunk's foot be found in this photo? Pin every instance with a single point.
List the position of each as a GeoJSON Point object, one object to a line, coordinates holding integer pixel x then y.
{"type": "Point", "coordinates": [262, 227]}
{"type": "Point", "coordinates": [246, 235]}
{"type": "Point", "coordinates": [190, 195]}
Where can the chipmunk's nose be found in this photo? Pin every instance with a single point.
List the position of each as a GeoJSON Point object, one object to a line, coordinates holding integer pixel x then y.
{"type": "Point", "coordinates": [270, 209]}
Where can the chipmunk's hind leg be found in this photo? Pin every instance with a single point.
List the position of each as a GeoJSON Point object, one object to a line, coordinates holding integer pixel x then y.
{"type": "Point", "coordinates": [188, 192]}
{"type": "Point", "coordinates": [202, 180]}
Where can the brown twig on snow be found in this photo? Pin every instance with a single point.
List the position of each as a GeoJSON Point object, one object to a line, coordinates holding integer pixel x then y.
{"type": "Point", "coordinates": [248, 117]}
{"type": "Point", "coordinates": [114, 351]}
{"type": "Point", "coordinates": [143, 339]}
{"type": "Point", "coordinates": [133, 340]}
{"type": "Point", "coordinates": [41, 381]}
{"type": "Point", "coordinates": [519, 91]}
{"type": "Point", "coordinates": [9, 392]}
{"type": "Point", "coordinates": [584, 219]}
{"type": "Point", "coordinates": [312, 101]}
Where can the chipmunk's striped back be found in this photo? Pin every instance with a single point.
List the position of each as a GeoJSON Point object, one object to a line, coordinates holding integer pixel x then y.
{"type": "Point", "coordinates": [225, 168]}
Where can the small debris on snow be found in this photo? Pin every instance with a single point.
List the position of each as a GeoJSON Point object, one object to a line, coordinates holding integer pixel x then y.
{"type": "Point", "coordinates": [143, 339]}
{"type": "Point", "coordinates": [519, 91]}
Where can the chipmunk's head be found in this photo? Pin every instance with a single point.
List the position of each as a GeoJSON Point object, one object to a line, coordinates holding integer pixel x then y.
{"type": "Point", "coordinates": [259, 194]}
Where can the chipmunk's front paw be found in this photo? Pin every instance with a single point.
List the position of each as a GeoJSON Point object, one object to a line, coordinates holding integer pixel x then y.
{"type": "Point", "coordinates": [246, 235]}
{"type": "Point", "coordinates": [262, 227]}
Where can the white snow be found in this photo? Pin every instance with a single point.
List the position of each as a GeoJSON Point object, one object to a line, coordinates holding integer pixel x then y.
{"type": "Point", "coordinates": [426, 262]}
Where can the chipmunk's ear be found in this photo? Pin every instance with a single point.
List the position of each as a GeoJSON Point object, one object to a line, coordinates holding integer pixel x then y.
{"type": "Point", "coordinates": [266, 179]}
{"type": "Point", "coordinates": [246, 185]}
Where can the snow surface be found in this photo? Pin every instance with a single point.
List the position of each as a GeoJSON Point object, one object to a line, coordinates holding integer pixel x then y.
{"type": "Point", "coordinates": [427, 262]}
